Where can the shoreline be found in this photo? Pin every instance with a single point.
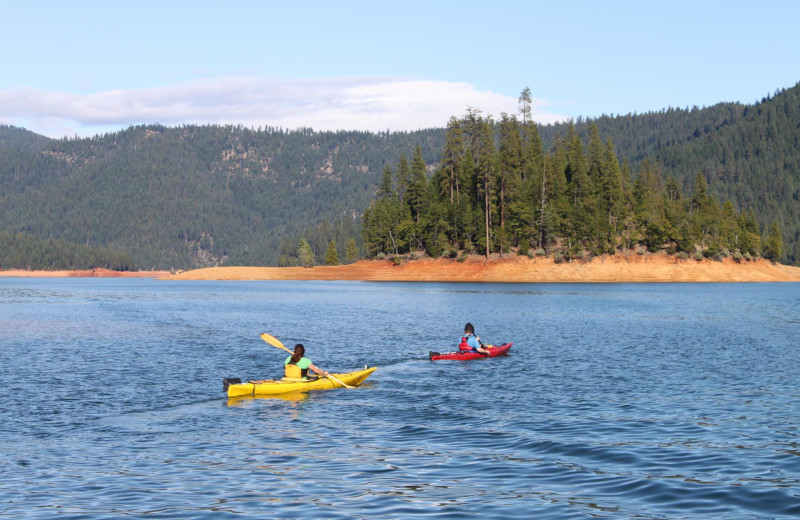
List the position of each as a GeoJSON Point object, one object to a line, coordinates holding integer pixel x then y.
{"type": "Point", "coordinates": [633, 268]}
{"type": "Point", "coordinates": [81, 273]}
{"type": "Point", "coordinates": [649, 268]}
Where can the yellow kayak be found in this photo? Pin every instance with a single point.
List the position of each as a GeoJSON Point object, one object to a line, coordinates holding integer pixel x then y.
{"type": "Point", "coordinates": [282, 386]}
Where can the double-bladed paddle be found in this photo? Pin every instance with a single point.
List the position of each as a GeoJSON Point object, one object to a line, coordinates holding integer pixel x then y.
{"type": "Point", "coordinates": [275, 342]}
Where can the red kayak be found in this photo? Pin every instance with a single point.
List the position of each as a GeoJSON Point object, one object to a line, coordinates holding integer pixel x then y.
{"type": "Point", "coordinates": [494, 351]}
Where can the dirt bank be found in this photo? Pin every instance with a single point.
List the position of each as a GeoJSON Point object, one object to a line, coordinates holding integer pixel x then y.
{"type": "Point", "coordinates": [89, 273]}
{"type": "Point", "coordinates": [617, 268]}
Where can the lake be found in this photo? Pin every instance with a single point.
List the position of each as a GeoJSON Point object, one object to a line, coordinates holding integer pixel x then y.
{"type": "Point", "coordinates": [650, 401]}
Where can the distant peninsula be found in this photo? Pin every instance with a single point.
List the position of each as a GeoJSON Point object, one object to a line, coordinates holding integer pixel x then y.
{"type": "Point", "coordinates": [519, 269]}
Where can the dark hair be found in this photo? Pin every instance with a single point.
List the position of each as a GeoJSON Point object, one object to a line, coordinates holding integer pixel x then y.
{"type": "Point", "coordinates": [299, 350]}
{"type": "Point", "coordinates": [469, 328]}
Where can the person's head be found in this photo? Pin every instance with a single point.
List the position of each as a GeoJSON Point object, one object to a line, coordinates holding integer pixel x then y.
{"type": "Point", "coordinates": [299, 351]}
{"type": "Point", "coordinates": [469, 329]}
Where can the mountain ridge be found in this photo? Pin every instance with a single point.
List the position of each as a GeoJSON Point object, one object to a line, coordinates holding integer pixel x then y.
{"type": "Point", "coordinates": [197, 196]}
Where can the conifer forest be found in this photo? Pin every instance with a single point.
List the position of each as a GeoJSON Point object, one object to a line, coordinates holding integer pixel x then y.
{"type": "Point", "coordinates": [696, 182]}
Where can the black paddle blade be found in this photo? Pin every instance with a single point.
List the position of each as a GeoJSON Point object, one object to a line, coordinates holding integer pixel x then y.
{"type": "Point", "coordinates": [431, 354]}
{"type": "Point", "coordinates": [230, 381]}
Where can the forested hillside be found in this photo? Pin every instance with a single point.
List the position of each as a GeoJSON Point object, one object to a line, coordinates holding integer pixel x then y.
{"type": "Point", "coordinates": [21, 251]}
{"type": "Point", "coordinates": [196, 196]}
{"type": "Point", "coordinates": [749, 154]}
{"type": "Point", "coordinates": [177, 198]}
{"type": "Point", "coordinates": [502, 193]}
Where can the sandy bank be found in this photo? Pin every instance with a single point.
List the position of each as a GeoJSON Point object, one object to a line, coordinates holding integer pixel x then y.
{"type": "Point", "coordinates": [617, 268]}
{"type": "Point", "coordinates": [90, 273]}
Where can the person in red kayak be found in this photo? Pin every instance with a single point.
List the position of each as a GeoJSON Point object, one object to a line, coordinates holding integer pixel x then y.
{"type": "Point", "coordinates": [297, 365]}
{"type": "Point", "coordinates": [470, 342]}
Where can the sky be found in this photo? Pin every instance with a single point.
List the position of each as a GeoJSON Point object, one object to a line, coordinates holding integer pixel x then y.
{"type": "Point", "coordinates": [81, 68]}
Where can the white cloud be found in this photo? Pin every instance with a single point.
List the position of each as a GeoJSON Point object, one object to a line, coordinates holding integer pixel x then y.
{"type": "Point", "coordinates": [372, 104]}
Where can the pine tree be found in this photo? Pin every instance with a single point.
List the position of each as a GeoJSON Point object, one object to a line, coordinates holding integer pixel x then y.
{"type": "Point", "coordinates": [547, 202]}
{"type": "Point", "coordinates": [596, 152]}
{"type": "Point", "coordinates": [578, 220]}
{"type": "Point", "coordinates": [485, 160]}
{"type": "Point", "coordinates": [403, 178]}
{"type": "Point", "coordinates": [611, 195]}
{"type": "Point", "coordinates": [525, 103]}
{"type": "Point", "coordinates": [331, 255]}
{"type": "Point", "coordinates": [675, 214]}
{"type": "Point", "coordinates": [509, 178]}
{"type": "Point", "coordinates": [773, 248]}
{"type": "Point", "coordinates": [577, 178]}
{"type": "Point", "coordinates": [386, 190]}
{"type": "Point", "coordinates": [465, 212]}
{"type": "Point", "coordinates": [452, 155]}
{"type": "Point", "coordinates": [305, 253]}
{"type": "Point", "coordinates": [417, 186]}
{"type": "Point", "coordinates": [379, 227]}
{"type": "Point", "coordinates": [704, 213]}
{"type": "Point", "coordinates": [471, 125]}
{"type": "Point", "coordinates": [727, 226]}
{"type": "Point", "coordinates": [351, 252]}
{"type": "Point", "coordinates": [700, 199]}
{"type": "Point", "coordinates": [748, 233]}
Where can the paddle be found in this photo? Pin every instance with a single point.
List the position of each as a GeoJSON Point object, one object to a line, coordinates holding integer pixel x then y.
{"type": "Point", "coordinates": [275, 342]}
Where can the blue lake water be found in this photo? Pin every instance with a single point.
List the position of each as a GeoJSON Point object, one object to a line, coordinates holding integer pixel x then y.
{"type": "Point", "coordinates": [650, 401]}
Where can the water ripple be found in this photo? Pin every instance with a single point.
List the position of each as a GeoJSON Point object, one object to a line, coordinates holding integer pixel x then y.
{"type": "Point", "coordinates": [617, 401]}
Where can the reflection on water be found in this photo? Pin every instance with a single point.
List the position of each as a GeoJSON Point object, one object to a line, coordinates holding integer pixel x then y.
{"type": "Point", "coordinates": [288, 396]}
{"type": "Point", "coordinates": [617, 401]}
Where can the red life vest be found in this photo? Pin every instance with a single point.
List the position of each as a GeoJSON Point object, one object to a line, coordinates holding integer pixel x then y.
{"type": "Point", "coordinates": [464, 346]}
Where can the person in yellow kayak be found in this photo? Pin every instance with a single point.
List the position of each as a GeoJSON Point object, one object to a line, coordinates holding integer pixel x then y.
{"type": "Point", "coordinates": [470, 342]}
{"type": "Point", "coordinates": [297, 365]}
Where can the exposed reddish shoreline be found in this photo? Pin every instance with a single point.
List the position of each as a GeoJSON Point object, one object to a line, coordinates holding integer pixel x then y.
{"type": "Point", "coordinates": [89, 273]}
{"type": "Point", "coordinates": [617, 268]}
{"type": "Point", "coordinates": [611, 269]}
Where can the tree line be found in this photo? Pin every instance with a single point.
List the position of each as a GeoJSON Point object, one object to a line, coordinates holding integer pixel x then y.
{"type": "Point", "coordinates": [197, 196]}
{"type": "Point", "coordinates": [22, 251]}
{"type": "Point", "coordinates": [496, 190]}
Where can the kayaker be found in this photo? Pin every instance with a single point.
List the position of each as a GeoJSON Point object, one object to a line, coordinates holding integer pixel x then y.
{"type": "Point", "coordinates": [296, 366]}
{"type": "Point", "coordinates": [470, 342]}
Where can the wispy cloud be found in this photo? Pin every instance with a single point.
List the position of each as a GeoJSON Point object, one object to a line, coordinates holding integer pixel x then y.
{"type": "Point", "coordinates": [373, 104]}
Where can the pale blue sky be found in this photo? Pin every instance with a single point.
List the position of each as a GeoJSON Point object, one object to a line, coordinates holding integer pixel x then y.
{"type": "Point", "coordinates": [82, 67]}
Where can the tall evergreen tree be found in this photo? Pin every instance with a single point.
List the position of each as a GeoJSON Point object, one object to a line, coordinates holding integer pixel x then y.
{"type": "Point", "coordinates": [305, 253]}
{"type": "Point", "coordinates": [418, 185]}
{"type": "Point", "coordinates": [403, 178]}
{"type": "Point", "coordinates": [485, 159]}
{"type": "Point", "coordinates": [700, 198]}
{"type": "Point", "coordinates": [525, 102]}
{"type": "Point", "coordinates": [509, 166]}
{"type": "Point", "coordinates": [452, 155]}
{"type": "Point", "coordinates": [331, 255]}
{"type": "Point", "coordinates": [386, 190]}
{"type": "Point", "coordinates": [577, 178]}
{"type": "Point", "coordinates": [471, 125]}
{"type": "Point", "coordinates": [467, 211]}
{"type": "Point", "coordinates": [727, 226]}
{"type": "Point", "coordinates": [703, 212]}
{"type": "Point", "coordinates": [773, 248]}
{"type": "Point", "coordinates": [579, 219]}
{"type": "Point", "coordinates": [351, 252]}
{"type": "Point", "coordinates": [611, 193]}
